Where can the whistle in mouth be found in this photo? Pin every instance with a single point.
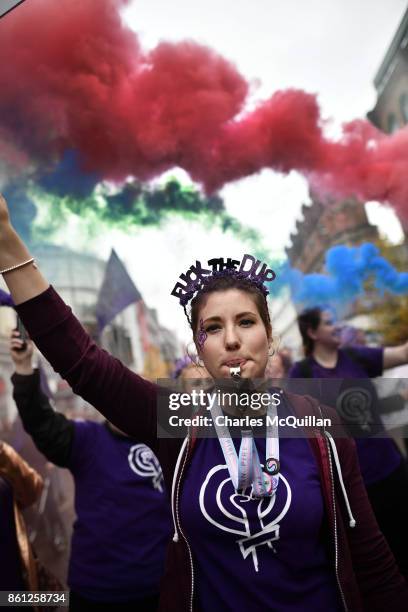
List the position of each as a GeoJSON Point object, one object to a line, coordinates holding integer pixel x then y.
{"type": "Point", "coordinates": [235, 371]}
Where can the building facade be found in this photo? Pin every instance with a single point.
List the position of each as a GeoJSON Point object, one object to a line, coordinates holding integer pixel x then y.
{"type": "Point", "coordinates": [390, 112]}
{"type": "Point", "coordinates": [391, 83]}
{"type": "Point", "coordinates": [322, 226]}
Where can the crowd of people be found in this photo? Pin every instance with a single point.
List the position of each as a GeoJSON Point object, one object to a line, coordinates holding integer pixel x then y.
{"type": "Point", "coordinates": [246, 519]}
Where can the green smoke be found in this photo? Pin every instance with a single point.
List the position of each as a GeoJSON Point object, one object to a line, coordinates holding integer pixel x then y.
{"type": "Point", "coordinates": [136, 206]}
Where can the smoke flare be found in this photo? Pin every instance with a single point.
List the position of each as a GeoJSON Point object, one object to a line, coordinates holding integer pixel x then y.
{"type": "Point", "coordinates": [134, 205]}
{"type": "Point", "coordinates": [126, 112]}
{"type": "Point", "coordinates": [348, 268]}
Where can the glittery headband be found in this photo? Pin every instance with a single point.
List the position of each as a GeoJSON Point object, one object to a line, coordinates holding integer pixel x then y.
{"type": "Point", "coordinates": [197, 278]}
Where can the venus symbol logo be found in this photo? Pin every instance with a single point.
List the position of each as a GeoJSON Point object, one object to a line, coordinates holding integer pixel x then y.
{"type": "Point", "coordinates": [144, 462]}
{"type": "Point", "coordinates": [234, 516]}
{"type": "Point", "coordinates": [354, 406]}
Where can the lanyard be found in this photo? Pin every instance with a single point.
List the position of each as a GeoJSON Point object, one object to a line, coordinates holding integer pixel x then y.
{"type": "Point", "coordinates": [245, 470]}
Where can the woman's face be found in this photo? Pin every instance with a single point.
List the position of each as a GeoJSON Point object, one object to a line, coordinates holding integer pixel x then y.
{"type": "Point", "coordinates": [327, 333]}
{"type": "Point", "coordinates": [236, 335]}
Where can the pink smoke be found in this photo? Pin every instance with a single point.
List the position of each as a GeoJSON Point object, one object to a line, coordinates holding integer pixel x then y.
{"type": "Point", "coordinates": [76, 77]}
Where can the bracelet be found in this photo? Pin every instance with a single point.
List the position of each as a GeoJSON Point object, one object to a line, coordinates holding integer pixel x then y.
{"type": "Point", "coordinates": [20, 265]}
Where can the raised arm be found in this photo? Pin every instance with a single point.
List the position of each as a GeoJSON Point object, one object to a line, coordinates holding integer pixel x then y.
{"type": "Point", "coordinates": [124, 398]}
{"type": "Point", "coordinates": [395, 356]}
{"type": "Point", "coordinates": [51, 431]}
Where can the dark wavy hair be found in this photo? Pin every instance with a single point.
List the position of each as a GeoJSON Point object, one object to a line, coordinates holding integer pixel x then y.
{"type": "Point", "coordinates": [222, 284]}
{"type": "Point", "coordinates": [309, 319]}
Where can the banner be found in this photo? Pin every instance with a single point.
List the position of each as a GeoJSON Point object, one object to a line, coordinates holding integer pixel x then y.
{"type": "Point", "coordinates": [116, 293]}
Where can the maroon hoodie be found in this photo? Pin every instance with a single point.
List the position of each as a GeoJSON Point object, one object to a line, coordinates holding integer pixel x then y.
{"type": "Point", "coordinates": [367, 576]}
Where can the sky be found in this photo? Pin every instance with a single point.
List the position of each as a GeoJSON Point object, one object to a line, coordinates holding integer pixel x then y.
{"type": "Point", "coordinates": [331, 48]}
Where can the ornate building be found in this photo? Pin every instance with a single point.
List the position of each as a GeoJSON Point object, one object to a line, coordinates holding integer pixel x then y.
{"type": "Point", "coordinates": [390, 112]}
{"type": "Point", "coordinates": [391, 82]}
{"type": "Point", "coordinates": [322, 227]}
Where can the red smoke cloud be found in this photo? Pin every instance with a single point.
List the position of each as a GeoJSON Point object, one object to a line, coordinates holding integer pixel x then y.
{"type": "Point", "coordinates": [76, 77]}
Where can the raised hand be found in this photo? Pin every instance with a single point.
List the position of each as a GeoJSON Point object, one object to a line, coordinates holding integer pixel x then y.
{"type": "Point", "coordinates": [21, 357]}
{"type": "Point", "coordinates": [20, 273]}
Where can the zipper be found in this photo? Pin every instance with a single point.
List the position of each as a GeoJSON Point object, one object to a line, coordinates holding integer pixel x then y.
{"type": "Point", "coordinates": [336, 549]}
{"type": "Point", "coordinates": [176, 508]}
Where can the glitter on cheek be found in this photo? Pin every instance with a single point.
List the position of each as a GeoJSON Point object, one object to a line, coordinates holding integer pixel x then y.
{"type": "Point", "coordinates": [202, 335]}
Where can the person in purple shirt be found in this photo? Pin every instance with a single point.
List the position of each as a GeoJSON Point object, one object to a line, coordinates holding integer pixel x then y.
{"type": "Point", "coordinates": [122, 512]}
{"type": "Point", "coordinates": [260, 523]}
{"type": "Point", "coordinates": [383, 468]}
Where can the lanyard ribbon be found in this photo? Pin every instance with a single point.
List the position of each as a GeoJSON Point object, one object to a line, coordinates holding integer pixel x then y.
{"type": "Point", "coordinates": [245, 470]}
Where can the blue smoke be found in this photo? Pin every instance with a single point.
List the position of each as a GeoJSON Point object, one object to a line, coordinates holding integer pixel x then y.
{"type": "Point", "coordinates": [69, 179]}
{"type": "Point", "coordinates": [22, 209]}
{"type": "Point", "coordinates": [347, 270]}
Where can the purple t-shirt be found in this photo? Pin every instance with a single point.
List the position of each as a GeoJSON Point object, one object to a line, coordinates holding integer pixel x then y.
{"type": "Point", "coordinates": [258, 554]}
{"type": "Point", "coordinates": [378, 456]}
{"type": "Point", "coordinates": [123, 516]}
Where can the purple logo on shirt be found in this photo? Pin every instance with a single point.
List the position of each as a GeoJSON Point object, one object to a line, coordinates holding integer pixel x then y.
{"type": "Point", "coordinates": [233, 508]}
{"type": "Point", "coordinates": [144, 462]}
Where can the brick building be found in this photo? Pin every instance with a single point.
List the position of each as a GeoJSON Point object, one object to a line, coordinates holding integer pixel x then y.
{"type": "Point", "coordinates": [322, 227]}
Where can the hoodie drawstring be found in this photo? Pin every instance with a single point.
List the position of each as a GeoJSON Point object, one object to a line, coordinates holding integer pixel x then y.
{"type": "Point", "coordinates": [173, 489]}
{"type": "Point", "coordinates": [332, 443]}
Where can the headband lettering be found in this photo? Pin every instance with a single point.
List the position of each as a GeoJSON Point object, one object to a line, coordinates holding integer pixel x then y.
{"type": "Point", "coordinates": [196, 276]}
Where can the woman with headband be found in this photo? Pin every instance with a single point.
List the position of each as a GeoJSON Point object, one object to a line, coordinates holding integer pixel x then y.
{"type": "Point", "coordinates": [272, 523]}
